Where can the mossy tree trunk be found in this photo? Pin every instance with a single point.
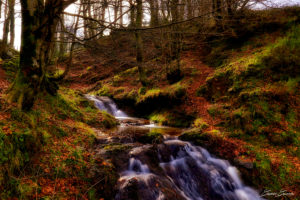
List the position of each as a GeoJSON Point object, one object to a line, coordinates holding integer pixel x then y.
{"type": "Point", "coordinates": [39, 21]}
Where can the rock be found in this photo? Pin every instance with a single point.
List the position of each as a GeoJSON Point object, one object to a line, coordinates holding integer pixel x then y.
{"type": "Point", "coordinates": [242, 163]}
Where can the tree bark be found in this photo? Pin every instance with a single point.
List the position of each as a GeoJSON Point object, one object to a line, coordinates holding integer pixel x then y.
{"type": "Point", "coordinates": [62, 45]}
{"type": "Point", "coordinates": [39, 22]}
{"type": "Point", "coordinates": [217, 13]}
{"type": "Point", "coordinates": [132, 14]}
{"type": "Point", "coordinates": [0, 9]}
{"type": "Point", "coordinates": [190, 13]}
{"type": "Point", "coordinates": [139, 42]}
{"type": "Point", "coordinates": [153, 13]}
{"type": "Point", "coordinates": [6, 25]}
{"type": "Point", "coordinates": [175, 47]}
{"type": "Point", "coordinates": [11, 16]}
{"type": "Point", "coordinates": [121, 12]}
{"type": "Point", "coordinates": [229, 8]}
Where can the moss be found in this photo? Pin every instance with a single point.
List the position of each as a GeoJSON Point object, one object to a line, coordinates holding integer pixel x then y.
{"type": "Point", "coordinates": [108, 120]}
{"type": "Point", "coordinates": [116, 148]}
{"type": "Point", "coordinates": [172, 118]}
{"type": "Point", "coordinates": [57, 131]}
{"type": "Point", "coordinates": [159, 118]}
{"type": "Point", "coordinates": [11, 66]}
{"type": "Point", "coordinates": [151, 138]}
{"type": "Point", "coordinates": [200, 123]}
{"type": "Point", "coordinates": [142, 90]}
{"type": "Point", "coordinates": [193, 135]}
{"type": "Point", "coordinates": [104, 91]}
{"type": "Point", "coordinates": [175, 91]}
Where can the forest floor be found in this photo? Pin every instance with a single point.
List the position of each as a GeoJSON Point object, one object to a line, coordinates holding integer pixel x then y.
{"type": "Point", "coordinates": [253, 151]}
{"type": "Point", "coordinates": [238, 110]}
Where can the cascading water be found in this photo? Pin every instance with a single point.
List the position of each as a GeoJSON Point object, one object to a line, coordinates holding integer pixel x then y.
{"type": "Point", "coordinates": [177, 169]}
{"type": "Point", "coordinates": [189, 171]}
{"type": "Point", "coordinates": [106, 104]}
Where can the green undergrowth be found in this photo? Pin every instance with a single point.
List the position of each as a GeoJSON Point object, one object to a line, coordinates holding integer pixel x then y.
{"type": "Point", "coordinates": [253, 29]}
{"type": "Point", "coordinates": [11, 66]}
{"type": "Point", "coordinates": [154, 103]}
{"type": "Point", "coordinates": [173, 118]}
{"type": "Point", "coordinates": [49, 144]}
{"type": "Point", "coordinates": [255, 95]}
{"type": "Point", "coordinates": [259, 93]}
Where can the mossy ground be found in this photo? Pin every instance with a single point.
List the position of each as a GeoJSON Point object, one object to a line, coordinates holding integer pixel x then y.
{"type": "Point", "coordinates": [46, 153]}
{"type": "Point", "coordinates": [255, 96]}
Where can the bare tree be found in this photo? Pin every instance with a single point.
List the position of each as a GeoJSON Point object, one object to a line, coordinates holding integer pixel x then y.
{"type": "Point", "coordinates": [39, 22]}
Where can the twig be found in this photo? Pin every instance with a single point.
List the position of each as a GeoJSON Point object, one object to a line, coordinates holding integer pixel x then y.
{"type": "Point", "coordinates": [92, 187]}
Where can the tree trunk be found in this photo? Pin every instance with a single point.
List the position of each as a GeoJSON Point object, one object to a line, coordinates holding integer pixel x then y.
{"type": "Point", "coordinates": [229, 8]}
{"type": "Point", "coordinates": [11, 16]}
{"type": "Point", "coordinates": [39, 22]}
{"type": "Point", "coordinates": [139, 42]}
{"type": "Point", "coordinates": [189, 9]}
{"type": "Point", "coordinates": [116, 9]}
{"type": "Point", "coordinates": [62, 45]}
{"type": "Point", "coordinates": [174, 74]}
{"type": "Point", "coordinates": [6, 24]}
{"type": "Point", "coordinates": [0, 9]}
{"type": "Point", "coordinates": [121, 12]}
{"type": "Point", "coordinates": [132, 14]}
{"type": "Point", "coordinates": [217, 13]}
{"type": "Point", "coordinates": [182, 9]}
{"type": "Point", "coordinates": [175, 47]}
{"type": "Point", "coordinates": [85, 21]}
{"type": "Point", "coordinates": [153, 13]}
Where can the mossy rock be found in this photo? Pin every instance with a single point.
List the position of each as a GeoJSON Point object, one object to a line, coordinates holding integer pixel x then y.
{"type": "Point", "coordinates": [109, 121]}
{"type": "Point", "coordinates": [116, 148]}
{"type": "Point", "coordinates": [172, 118]}
{"type": "Point", "coordinates": [199, 137]}
{"type": "Point", "coordinates": [200, 123]}
{"type": "Point", "coordinates": [192, 135]}
{"type": "Point", "coordinates": [282, 138]}
{"type": "Point", "coordinates": [151, 138]}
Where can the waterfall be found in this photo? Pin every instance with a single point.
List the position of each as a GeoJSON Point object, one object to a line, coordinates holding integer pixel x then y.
{"type": "Point", "coordinates": [178, 171]}
{"type": "Point", "coordinates": [190, 171]}
{"type": "Point", "coordinates": [106, 104]}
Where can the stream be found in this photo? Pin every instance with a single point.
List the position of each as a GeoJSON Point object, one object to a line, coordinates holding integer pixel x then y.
{"type": "Point", "coordinates": [174, 169]}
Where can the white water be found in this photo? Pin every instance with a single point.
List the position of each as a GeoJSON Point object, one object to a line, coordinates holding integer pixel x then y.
{"type": "Point", "coordinates": [224, 178]}
{"type": "Point", "coordinates": [185, 169]}
{"type": "Point", "coordinates": [108, 105]}
{"type": "Point", "coordinates": [188, 170]}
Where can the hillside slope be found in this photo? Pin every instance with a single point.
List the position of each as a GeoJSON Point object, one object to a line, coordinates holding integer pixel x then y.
{"type": "Point", "coordinates": [241, 95]}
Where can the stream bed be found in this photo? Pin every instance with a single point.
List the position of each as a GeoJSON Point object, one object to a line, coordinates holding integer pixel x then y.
{"type": "Point", "coordinates": [172, 169]}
